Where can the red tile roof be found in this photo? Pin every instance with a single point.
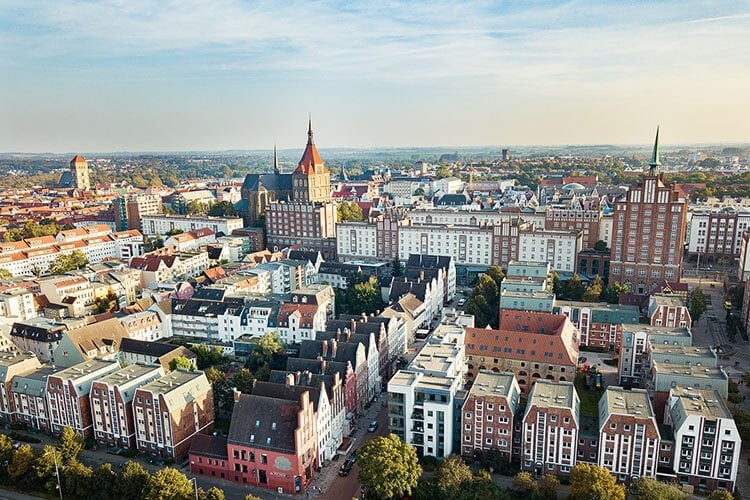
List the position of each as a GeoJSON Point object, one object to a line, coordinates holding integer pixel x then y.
{"type": "Point", "coordinates": [311, 163]}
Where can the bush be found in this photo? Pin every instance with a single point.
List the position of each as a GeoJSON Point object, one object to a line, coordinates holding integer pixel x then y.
{"type": "Point", "coordinates": [15, 436]}
{"type": "Point", "coordinates": [129, 453]}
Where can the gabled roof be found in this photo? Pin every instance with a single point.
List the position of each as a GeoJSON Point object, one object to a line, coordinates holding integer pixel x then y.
{"type": "Point", "coordinates": [284, 391]}
{"type": "Point", "coordinates": [264, 422]}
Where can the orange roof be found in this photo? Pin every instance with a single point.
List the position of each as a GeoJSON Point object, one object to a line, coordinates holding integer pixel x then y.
{"type": "Point", "coordinates": [311, 163]}
{"type": "Point", "coordinates": [78, 159]}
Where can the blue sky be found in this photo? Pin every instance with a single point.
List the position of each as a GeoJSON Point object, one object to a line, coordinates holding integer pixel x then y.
{"type": "Point", "coordinates": [136, 75]}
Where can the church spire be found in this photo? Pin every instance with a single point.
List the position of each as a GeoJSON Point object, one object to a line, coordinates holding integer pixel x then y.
{"type": "Point", "coordinates": [276, 169]}
{"type": "Point", "coordinates": [655, 163]}
{"type": "Point", "coordinates": [310, 141]}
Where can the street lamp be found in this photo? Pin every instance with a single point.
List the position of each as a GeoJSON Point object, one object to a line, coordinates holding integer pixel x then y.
{"type": "Point", "coordinates": [193, 480]}
{"type": "Point", "coordinates": [57, 472]}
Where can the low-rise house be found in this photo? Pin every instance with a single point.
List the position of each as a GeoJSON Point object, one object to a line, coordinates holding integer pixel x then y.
{"type": "Point", "coordinates": [668, 310]}
{"type": "Point", "coordinates": [153, 353]}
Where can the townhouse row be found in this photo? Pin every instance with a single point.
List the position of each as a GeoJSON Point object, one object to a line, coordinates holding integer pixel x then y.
{"type": "Point", "coordinates": [138, 406]}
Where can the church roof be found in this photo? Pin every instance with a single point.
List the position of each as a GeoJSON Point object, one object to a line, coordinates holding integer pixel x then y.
{"type": "Point", "coordinates": [271, 182]}
{"type": "Point", "coordinates": [78, 159]}
{"type": "Point", "coordinates": [311, 163]}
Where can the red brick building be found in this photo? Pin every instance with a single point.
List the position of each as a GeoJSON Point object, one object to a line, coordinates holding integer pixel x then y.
{"type": "Point", "coordinates": [533, 346]}
{"type": "Point", "coordinates": [487, 414]}
{"type": "Point", "coordinates": [170, 411]}
{"type": "Point", "coordinates": [112, 403]}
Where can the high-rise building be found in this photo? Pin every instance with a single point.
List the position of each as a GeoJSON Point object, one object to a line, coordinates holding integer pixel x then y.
{"type": "Point", "coordinates": [129, 210]}
{"type": "Point", "coordinates": [79, 170]}
{"type": "Point", "coordinates": [649, 232]}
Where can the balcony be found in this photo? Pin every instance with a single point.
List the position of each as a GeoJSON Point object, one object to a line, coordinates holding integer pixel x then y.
{"type": "Point", "coordinates": [417, 415]}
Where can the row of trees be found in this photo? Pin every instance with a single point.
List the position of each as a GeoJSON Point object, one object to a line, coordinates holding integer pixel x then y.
{"type": "Point", "coordinates": [31, 470]}
{"type": "Point", "coordinates": [31, 229]}
{"type": "Point", "coordinates": [595, 291]}
{"type": "Point", "coordinates": [64, 263]}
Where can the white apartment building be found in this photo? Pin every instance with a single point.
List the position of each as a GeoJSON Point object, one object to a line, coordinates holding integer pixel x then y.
{"type": "Point", "coordinates": [17, 303]}
{"type": "Point", "coordinates": [144, 325]}
{"type": "Point", "coordinates": [56, 288]}
{"type": "Point", "coordinates": [628, 434]}
{"type": "Point", "coordinates": [717, 232]}
{"type": "Point", "coordinates": [465, 244]}
{"type": "Point", "coordinates": [421, 398]}
{"type": "Point", "coordinates": [162, 224]}
{"type": "Point", "coordinates": [357, 239]}
{"type": "Point", "coordinates": [707, 443]}
{"type": "Point", "coordinates": [559, 248]}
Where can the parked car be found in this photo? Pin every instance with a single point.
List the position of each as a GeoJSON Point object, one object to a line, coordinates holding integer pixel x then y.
{"type": "Point", "coordinates": [582, 359]}
{"type": "Point", "coordinates": [373, 426]}
{"type": "Point", "coordinates": [346, 467]}
{"type": "Point", "coordinates": [461, 302]}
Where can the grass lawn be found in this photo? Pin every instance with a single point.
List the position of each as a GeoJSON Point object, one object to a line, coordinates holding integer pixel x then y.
{"type": "Point", "coordinates": [589, 397]}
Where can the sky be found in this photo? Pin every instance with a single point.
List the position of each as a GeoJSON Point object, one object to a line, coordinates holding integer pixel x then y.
{"type": "Point", "coordinates": [173, 75]}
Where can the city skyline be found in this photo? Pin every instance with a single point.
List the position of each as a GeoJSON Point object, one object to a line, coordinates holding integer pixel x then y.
{"type": "Point", "coordinates": [101, 76]}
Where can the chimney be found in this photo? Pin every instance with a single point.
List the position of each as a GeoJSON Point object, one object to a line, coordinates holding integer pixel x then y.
{"type": "Point", "coordinates": [338, 333]}
{"type": "Point", "coordinates": [323, 366]}
{"type": "Point", "coordinates": [334, 345]}
{"type": "Point", "coordinates": [237, 393]}
{"type": "Point", "coordinates": [325, 348]}
{"type": "Point", "coordinates": [296, 377]}
{"type": "Point", "coordinates": [364, 318]}
{"type": "Point", "coordinates": [348, 336]}
{"type": "Point", "coordinates": [309, 377]}
{"type": "Point", "coordinates": [289, 379]}
{"type": "Point", "coordinates": [353, 324]}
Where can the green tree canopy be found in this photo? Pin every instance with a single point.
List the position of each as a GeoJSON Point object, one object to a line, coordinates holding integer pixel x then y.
{"type": "Point", "coordinates": [591, 482]}
{"type": "Point", "coordinates": [549, 486]}
{"type": "Point", "coordinates": [697, 304]}
{"type": "Point", "coordinates": [132, 480]}
{"type": "Point", "coordinates": [69, 445]}
{"type": "Point", "coordinates": [263, 351]}
{"type": "Point", "coordinates": [76, 480]}
{"type": "Point", "coordinates": [397, 267]}
{"type": "Point", "coordinates": [169, 484]}
{"type": "Point", "coordinates": [720, 495]}
{"type": "Point", "coordinates": [594, 290]}
{"type": "Point", "coordinates": [483, 302]}
{"type": "Point", "coordinates": [452, 473]}
{"type": "Point", "coordinates": [349, 211]}
{"type": "Point", "coordinates": [104, 480]}
{"type": "Point", "coordinates": [524, 483]}
{"type": "Point", "coordinates": [601, 246]}
{"type": "Point", "coordinates": [614, 290]}
{"type": "Point", "coordinates": [22, 464]}
{"type": "Point", "coordinates": [497, 275]}
{"type": "Point", "coordinates": [222, 209]}
{"type": "Point", "coordinates": [213, 493]}
{"type": "Point", "coordinates": [67, 262]}
{"type": "Point", "coordinates": [647, 488]}
{"type": "Point", "coordinates": [5, 274]}
{"type": "Point", "coordinates": [242, 380]}
{"type": "Point", "coordinates": [365, 297]}
{"type": "Point", "coordinates": [208, 356]}
{"type": "Point", "coordinates": [574, 288]}
{"type": "Point", "coordinates": [181, 362]}
{"type": "Point", "coordinates": [388, 468]}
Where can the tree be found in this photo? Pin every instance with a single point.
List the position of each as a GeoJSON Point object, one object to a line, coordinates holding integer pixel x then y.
{"type": "Point", "coordinates": [5, 274]}
{"type": "Point", "coordinates": [558, 287]}
{"type": "Point", "coordinates": [67, 262]}
{"type": "Point", "coordinates": [388, 468]}
{"type": "Point", "coordinates": [105, 480]}
{"type": "Point", "coordinates": [720, 495]}
{"type": "Point", "coordinates": [21, 464]}
{"type": "Point", "coordinates": [349, 211]}
{"type": "Point", "coordinates": [419, 192]}
{"type": "Point", "coordinates": [601, 246]}
{"type": "Point", "coordinates": [76, 480]}
{"type": "Point", "coordinates": [452, 473]}
{"type": "Point", "coordinates": [207, 357]}
{"type": "Point", "coordinates": [647, 488]}
{"type": "Point", "coordinates": [614, 291]}
{"type": "Point", "coordinates": [213, 493]}
{"type": "Point", "coordinates": [262, 351]}
{"type": "Point", "coordinates": [548, 486]}
{"type": "Point", "coordinates": [132, 480]}
{"type": "Point", "coordinates": [594, 290]}
{"type": "Point", "coordinates": [497, 275]}
{"type": "Point", "coordinates": [697, 304]}
{"type": "Point", "coordinates": [242, 380]}
{"type": "Point", "coordinates": [6, 448]}
{"type": "Point", "coordinates": [365, 297]}
{"type": "Point", "coordinates": [591, 482]}
{"type": "Point", "coordinates": [398, 267]}
{"type": "Point", "coordinates": [222, 209]}
{"type": "Point", "coordinates": [574, 288]}
{"type": "Point", "coordinates": [168, 484]}
{"type": "Point", "coordinates": [442, 173]}
{"type": "Point", "coordinates": [250, 496]}
{"type": "Point", "coordinates": [181, 362]}
{"type": "Point", "coordinates": [69, 445]}
{"type": "Point", "coordinates": [483, 302]}
{"type": "Point", "coordinates": [524, 483]}
{"type": "Point", "coordinates": [45, 463]}
{"type": "Point", "coordinates": [218, 381]}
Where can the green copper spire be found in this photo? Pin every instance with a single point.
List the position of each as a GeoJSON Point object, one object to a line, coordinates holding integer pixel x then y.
{"type": "Point", "coordinates": [655, 163]}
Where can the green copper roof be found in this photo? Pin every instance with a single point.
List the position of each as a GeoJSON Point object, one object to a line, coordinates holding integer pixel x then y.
{"type": "Point", "coordinates": [655, 155]}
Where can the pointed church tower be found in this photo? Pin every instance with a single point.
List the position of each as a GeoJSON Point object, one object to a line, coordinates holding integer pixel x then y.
{"type": "Point", "coordinates": [311, 181]}
{"type": "Point", "coordinates": [276, 169]}
{"type": "Point", "coordinates": [654, 164]}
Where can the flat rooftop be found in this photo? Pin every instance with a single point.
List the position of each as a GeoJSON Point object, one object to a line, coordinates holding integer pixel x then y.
{"type": "Point", "coordinates": [547, 394]}
{"type": "Point", "coordinates": [627, 402]}
{"type": "Point", "coordinates": [701, 402]}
